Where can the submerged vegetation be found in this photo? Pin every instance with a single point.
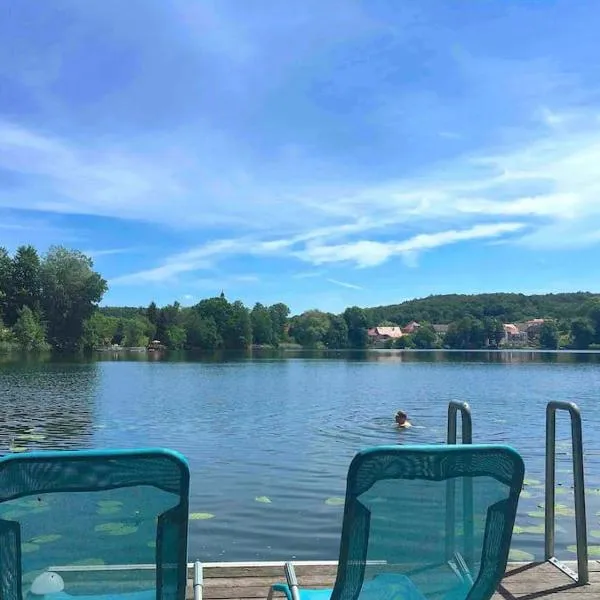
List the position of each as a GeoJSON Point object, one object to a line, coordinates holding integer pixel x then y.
{"type": "Point", "coordinates": [51, 301]}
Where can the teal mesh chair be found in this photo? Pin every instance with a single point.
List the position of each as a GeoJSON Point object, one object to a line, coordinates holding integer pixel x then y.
{"type": "Point", "coordinates": [422, 523]}
{"type": "Point", "coordinates": [94, 525]}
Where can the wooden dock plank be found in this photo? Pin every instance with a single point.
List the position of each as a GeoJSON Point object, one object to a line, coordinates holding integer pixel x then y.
{"type": "Point", "coordinates": [531, 581]}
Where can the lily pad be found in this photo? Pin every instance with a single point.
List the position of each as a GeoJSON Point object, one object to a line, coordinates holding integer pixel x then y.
{"type": "Point", "coordinates": [32, 437]}
{"type": "Point", "coordinates": [105, 527]}
{"type": "Point", "coordinates": [46, 539]}
{"type": "Point", "coordinates": [108, 510]}
{"type": "Point", "coordinates": [526, 494]}
{"type": "Point", "coordinates": [263, 499]}
{"type": "Point", "coordinates": [201, 516]}
{"type": "Point", "coordinates": [84, 562]}
{"type": "Point", "coordinates": [105, 503]}
{"type": "Point", "coordinates": [29, 547]}
{"type": "Point", "coordinates": [335, 501]}
{"type": "Point", "coordinates": [531, 529]}
{"type": "Point", "coordinates": [532, 482]}
{"type": "Point", "coordinates": [537, 514]}
{"type": "Point", "coordinates": [560, 510]}
{"type": "Point", "coordinates": [562, 491]}
{"type": "Point", "coordinates": [16, 449]}
{"type": "Point", "coordinates": [124, 530]}
{"type": "Point", "coordinates": [595, 533]}
{"type": "Point", "coordinates": [593, 492]}
{"type": "Point", "coordinates": [592, 550]}
{"type": "Point", "coordinates": [520, 556]}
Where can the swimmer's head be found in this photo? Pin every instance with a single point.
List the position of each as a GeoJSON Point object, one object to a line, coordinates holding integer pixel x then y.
{"type": "Point", "coordinates": [401, 417]}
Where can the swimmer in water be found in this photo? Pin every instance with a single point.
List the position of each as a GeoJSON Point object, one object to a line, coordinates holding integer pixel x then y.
{"type": "Point", "coordinates": [402, 420]}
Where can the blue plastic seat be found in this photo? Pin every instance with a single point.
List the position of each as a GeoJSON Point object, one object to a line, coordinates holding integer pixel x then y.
{"type": "Point", "coordinates": [94, 525]}
{"type": "Point", "coordinates": [424, 523]}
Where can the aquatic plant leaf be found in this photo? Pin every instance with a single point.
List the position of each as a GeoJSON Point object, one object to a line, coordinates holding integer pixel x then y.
{"type": "Point", "coordinates": [31, 437]}
{"type": "Point", "coordinates": [29, 547]}
{"type": "Point", "coordinates": [592, 550]}
{"type": "Point", "coordinates": [108, 510]}
{"type": "Point", "coordinates": [104, 527]}
{"type": "Point", "coordinates": [595, 533]}
{"type": "Point", "coordinates": [593, 492]}
{"type": "Point", "coordinates": [16, 449]}
{"type": "Point", "coordinates": [520, 556]}
{"type": "Point", "coordinates": [531, 482]}
{"type": "Point", "coordinates": [263, 499]}
{"type": "Point", "coordinates": [335, 501]}
{"type": "Point", "coordinates": [109, 503]}
{"type": "Point", "coordinates": [526, 494]}
{"type": "Point", "coordinates": [201, 516]}
{"type": "Point", "coordinates": [537, 514]}
{"type": "Point", "coordinates": [124, 530]}
{"type": "Point", "coordinates": [46, 539]}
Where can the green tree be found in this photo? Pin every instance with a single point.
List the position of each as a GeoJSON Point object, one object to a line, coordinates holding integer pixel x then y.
{"type": "Point", "coordinates": [167, 317]}
{"type": "Point", "coordinates": [494, 331]}
{"type": "Point", "coordinates": [201, 332]}
{"type": "Point", "coordinates": [176, 337]}
{"type": "Point", "coordinates": [549, 336]}
{"type": "Point", "coordinates": [99, 330]}
{"type": "Point", "coordinates": [310, 328]}
{"type": "Point", "coordinates": [136, 332]}
{"type": "Point", "coordinates": [152, 313]}
{"type": "Point", "coordinates": [279, 317]}
{"type": "Point", "coordinates": [217, 309]}
{"type": "Point", "coordinates": [24, 288]}
{"type": "Point", "coordinates": [337, 334]}
{"type": "Point", "coordinates": [592, 312]}
{"type": "Point", "coordinates": [356, 319]}
{"type": "Point", "coordinates": [424, 337]}
{"type": "Point", "coordinates": [5, 281]}
{"type": "Point", "coordinates": [262, 325]}
{"type": "Point", "coordinates": [406, 342]}
{"type": "Point", "coordinates": [238, 329]}
{"type": "Point", "coordinates": [28, 331]}
{"type": "Point", "coordinates": [582, 334]}
{"type": "Point", "coordinates": [465, 334]}
{"type": "Point", "coordinates": [71, 291]}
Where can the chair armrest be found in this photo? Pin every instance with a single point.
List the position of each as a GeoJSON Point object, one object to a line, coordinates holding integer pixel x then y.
{"type": "Point", "coordinates": [290, 589]}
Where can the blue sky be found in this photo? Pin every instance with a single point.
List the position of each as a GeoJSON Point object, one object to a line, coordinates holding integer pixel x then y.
{"type": "Point", "coordinates": [323, 154]}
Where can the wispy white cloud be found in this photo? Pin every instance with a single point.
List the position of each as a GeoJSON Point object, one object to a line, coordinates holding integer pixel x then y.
{"type": "Point", "coordinates": [350, 286]}
{"type": "Point", "coordinates": [109, 252]}
{"type": "Point", "coordinates": [365, 253]}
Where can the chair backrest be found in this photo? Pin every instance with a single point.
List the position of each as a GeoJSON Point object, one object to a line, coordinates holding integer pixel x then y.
{"type": "Point", "coordinates": [85, 514]}
{"type": "Point", "coordinates": [441, 516]}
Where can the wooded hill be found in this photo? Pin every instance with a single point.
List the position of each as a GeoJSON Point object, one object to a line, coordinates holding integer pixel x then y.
{"type": "Point", "coordinates": [509, 308]}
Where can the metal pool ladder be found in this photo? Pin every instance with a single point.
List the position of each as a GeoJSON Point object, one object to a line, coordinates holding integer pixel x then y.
{"type": "Point", "coordinates": [454, 407]}
{"type": "Point", "coordinates": [582, 575]}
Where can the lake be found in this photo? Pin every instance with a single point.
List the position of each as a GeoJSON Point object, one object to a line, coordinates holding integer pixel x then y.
{"type": "Point", "coordinates": [269, 439]}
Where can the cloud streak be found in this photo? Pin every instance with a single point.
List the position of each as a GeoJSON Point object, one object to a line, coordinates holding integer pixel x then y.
{"type": "Point", "coordinates": [350, 286]}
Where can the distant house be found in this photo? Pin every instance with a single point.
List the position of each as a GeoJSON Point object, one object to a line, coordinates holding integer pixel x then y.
{"type": "Point", "coordinates": [382, 334]}
{"type": "Point", "coordinates": [440, 329]}
{"type": "Point", "coordinates": [411, 327]}
{"type": "Point", "coordinates": [513, 335]}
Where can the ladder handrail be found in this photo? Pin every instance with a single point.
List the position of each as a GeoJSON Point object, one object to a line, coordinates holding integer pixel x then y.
{"type": "Point", "coordinates": [582, 576]}
{"type": "Point", "coordinates": [454, 407]}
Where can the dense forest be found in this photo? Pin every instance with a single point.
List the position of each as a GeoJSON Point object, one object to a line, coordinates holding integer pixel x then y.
{"type": "Point", "coordinates": [51, 301]}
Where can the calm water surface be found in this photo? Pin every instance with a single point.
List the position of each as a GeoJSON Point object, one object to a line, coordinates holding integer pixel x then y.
{"type": "Point", "coordinates": [269, 440]}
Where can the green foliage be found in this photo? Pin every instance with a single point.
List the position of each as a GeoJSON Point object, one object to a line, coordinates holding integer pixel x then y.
{"type": "Point", "coordinates": [493, 330]}
{"type": "Point", "coordinates": [24, 285]}
{"type": "Point", "coordinates": [582, 333]}
{"type": "Point", "coordinates": [424, 337]}
{"type": "Point", "coordinates": [406, 342]}
{"type": "Point", "coordinates": [549, 336]}
{"type": "Point", "coordinates": [5, 281]}
{"type": "Point", "coordinates": [508, 308]}
{"type": "Point", "coordinates": [337, 334]}
{"type": "Point", "coordinates": [279, 317]}
{"type": "Point", "coordinates": [137, 332]}
{"type": "Point", "coordinates": [176, 337]}
{"type": "Point", "coordinates": [28, 331]}
{"type": "Point", "coordinates": [356, 320]}
{"type": "Point", "coordinates": [263, 331]}
{"type": "Point", "coordinates": [465, 334]}
{"type": "Point", "coordinates": [310, 328]}
{"type": "Point", "coordinates": [202, 332]}
{"type": "Point", "coordinates": [99, 330]}
{"type": "Point", "coordinates": [152, 313]}
{"type": "Point", "coordinates": [71, 292]}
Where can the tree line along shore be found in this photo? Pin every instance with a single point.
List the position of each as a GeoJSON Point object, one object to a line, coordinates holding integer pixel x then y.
{"type": "Point", "coordinates": [51, 301]}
